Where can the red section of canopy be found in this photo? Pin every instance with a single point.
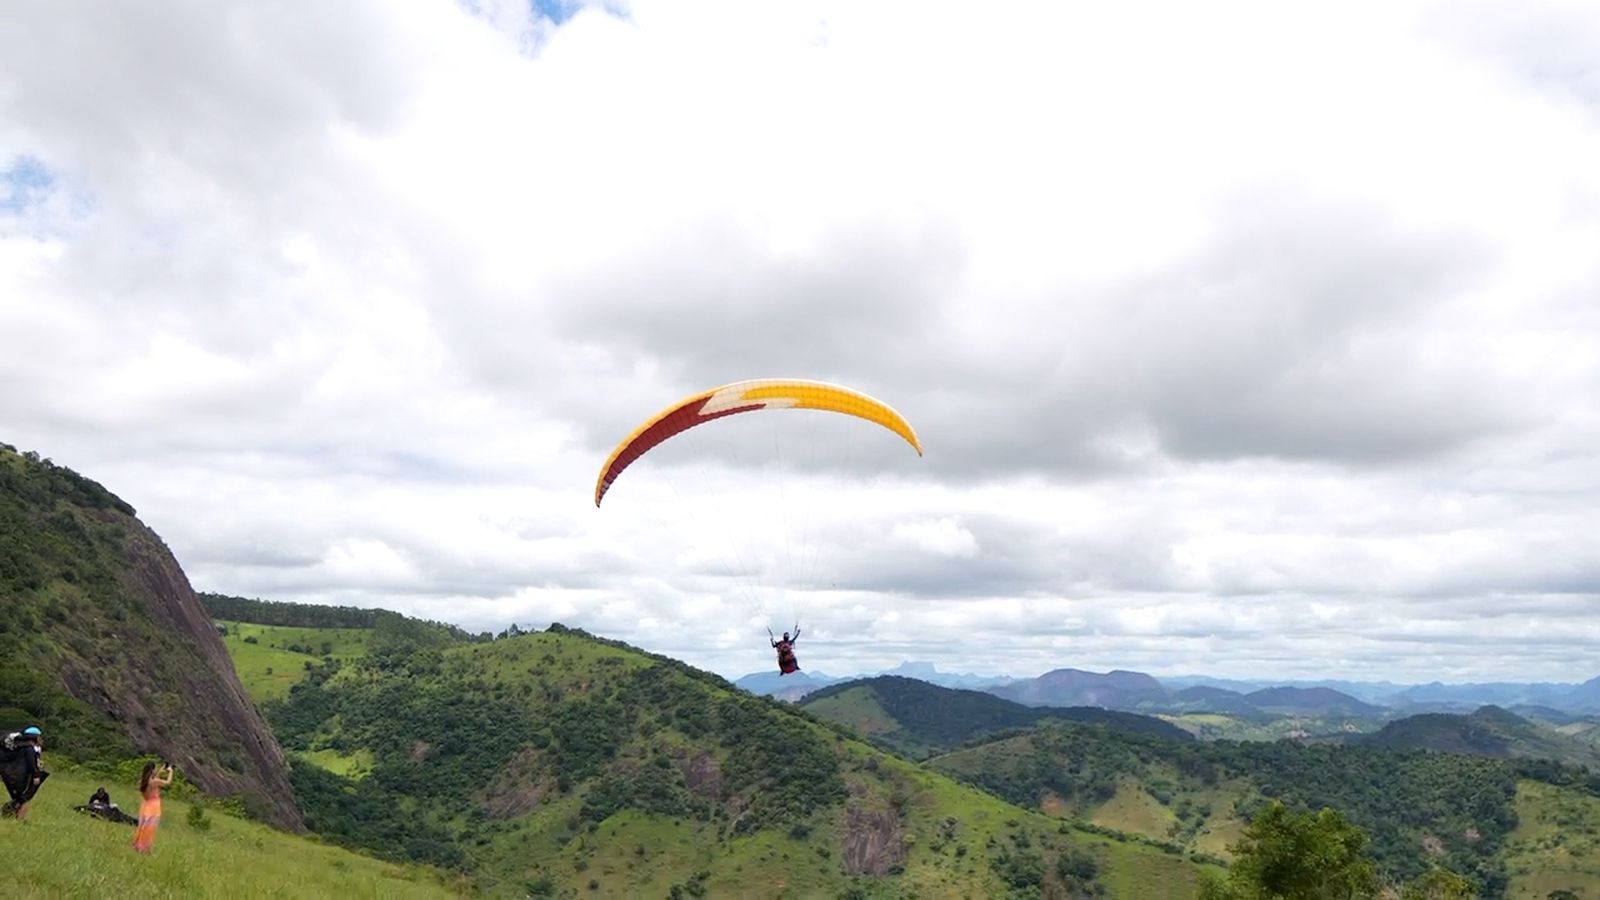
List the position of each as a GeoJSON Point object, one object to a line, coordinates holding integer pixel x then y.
{"type": "Point", "coordinates": [678, 420]}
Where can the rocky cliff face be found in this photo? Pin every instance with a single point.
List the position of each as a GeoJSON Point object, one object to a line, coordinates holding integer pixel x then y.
{"type": "Point", "coordinates": [110, 620]}
{"type": "Point", "coordinates": [217, 739]}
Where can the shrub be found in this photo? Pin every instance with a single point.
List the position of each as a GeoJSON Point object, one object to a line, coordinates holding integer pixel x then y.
{"type": "Point", "coordinates": [197, 818]}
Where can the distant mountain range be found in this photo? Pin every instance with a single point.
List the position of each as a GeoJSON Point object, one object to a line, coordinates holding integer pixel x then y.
{"type": "Point", "coordinates": [1565, 697]}
{"type": "Point", "coordinates": [1466, 697]}
{"type": "Point", "coordinates": [793, 687]}
{"type": "Point", "coordinates": [1075, 687]}
{"type": "Point", "coordinates": [1140, 692]}
{"type": "Point", "coordinates": [785, 687]}
{"type": "Point", "coordinates": [925, 671]}
{"type": "Point", "coordinates": [1375, 692]}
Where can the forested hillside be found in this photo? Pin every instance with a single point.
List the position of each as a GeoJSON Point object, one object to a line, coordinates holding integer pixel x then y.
{"type": "Point", "coordinates": [919, 719]}
{"type": "Point", "coordinates": [309, 615]}
{"type": "Point", "coordinates": [1419, 807]}
{"type": "Point", "coordinates": [1491, 731]}
{"type": "Point", "coordinates": [104, 644]}
{"type": "Point", "coordinates": [557, 760]}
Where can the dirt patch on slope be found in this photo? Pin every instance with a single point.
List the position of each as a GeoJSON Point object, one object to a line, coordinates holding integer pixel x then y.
{"type": "Point", "coordinates": [873, 841]}
{"type": "Point", "coordinates": [519, 788]}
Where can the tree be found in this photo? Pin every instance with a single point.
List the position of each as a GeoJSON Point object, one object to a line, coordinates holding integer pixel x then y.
{"type": "Point", "coordinates": [1297, 856]}
{"type": "Point", "coordinates": [1439, 884]}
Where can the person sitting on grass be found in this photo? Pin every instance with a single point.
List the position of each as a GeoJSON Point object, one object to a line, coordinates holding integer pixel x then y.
{"type": "Point", "coordinates": [100, 806]}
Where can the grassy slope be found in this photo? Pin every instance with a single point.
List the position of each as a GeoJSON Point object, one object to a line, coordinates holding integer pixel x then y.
{"type": "Point", "coordinates": [790, 866]}
{"type": "Point", "coordinates": [640, 854]}
{"type": "Point", "coordinates": [1134, 808]}
{"type": "Point", "coordinates": [857, 708]}
{"type": "Point", "coordinates": [1226, 727]}
{"type": "Point", "coordinates": [61, 853]}
{"type": "Point", "coordinates": [1556, 844]}
{"type": "Point", "coordinates": [1224, 826]}
{"type": "Point", "coordinates": [1588, 732]}
{"type": "Point", "coordinates": [634, 852]}
{"type": "Point", "coordinates": [267, 668]}
{"type": "Point", "coordinates": [355, 765]}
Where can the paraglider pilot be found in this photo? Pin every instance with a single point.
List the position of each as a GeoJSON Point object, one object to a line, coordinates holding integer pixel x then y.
{"type": "Point", "coordinates": [19, 763]}
{"type": "Point", "coordinates": [786, 661]}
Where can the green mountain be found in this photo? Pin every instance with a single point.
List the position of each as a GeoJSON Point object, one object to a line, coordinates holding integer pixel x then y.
{"type": "Point", "coordinates": [105, 646]}
{"type": "Point", "coordinates": [558, 762]}
{"type": "Point", "coordinates": [919, 719]}
{"type": "Point", "coordinates": [1419, 807]}
{"type": "Point", "coordinates": [1204, 699]}
{"type": "Point", "coordinates": [1490, 731]}
{"type": "Point", "coordinates": [1316, 701]}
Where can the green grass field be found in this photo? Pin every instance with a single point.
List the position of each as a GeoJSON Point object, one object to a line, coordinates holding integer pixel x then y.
{"type": "Point", "coordinates": [266, 665]}
{"type": "Point", "coordinates": [1223, 827]}
{"type": "Point", "coordinates": [1224, 727]}
{"type": "Point", "coordinates": [859, 709]}
{"type": "Point", "coordinates": [57, 852]}
{"type": "Point", "coordinates": [1556, 844]}
{"type": "Point", "coordinates": [356, 765]}
{"type": "Point", "coordinates": [1126, 869]}
{"type": "Point", "coordinates": [1132, 809]}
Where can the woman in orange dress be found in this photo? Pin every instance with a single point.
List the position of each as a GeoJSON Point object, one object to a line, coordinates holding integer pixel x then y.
{"type": "Point", "coordinates": [150, 784]}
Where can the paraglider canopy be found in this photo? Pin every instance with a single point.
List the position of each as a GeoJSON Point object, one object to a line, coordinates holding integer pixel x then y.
{"type": "Point", "coordinates": [775, 546]}
{"type": "Point", "coordinates": [748, 396]}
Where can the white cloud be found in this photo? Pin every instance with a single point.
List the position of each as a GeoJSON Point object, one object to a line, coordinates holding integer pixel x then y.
{"type": "Point", "coordinates": [939, 537]}
{"type": "Point", "coordinates": [1260, 340]}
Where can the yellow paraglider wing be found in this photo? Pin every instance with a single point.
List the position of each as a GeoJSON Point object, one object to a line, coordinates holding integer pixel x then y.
{"type": "Point", "coordinates": [748, 396]}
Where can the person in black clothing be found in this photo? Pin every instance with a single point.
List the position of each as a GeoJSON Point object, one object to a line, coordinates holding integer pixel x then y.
{"type": "Point", "coordinates": [20, 769]}
{"type": "Point", "coordinates": [100, 805]}
{"type": "Point", "coordinates": [787, 664]}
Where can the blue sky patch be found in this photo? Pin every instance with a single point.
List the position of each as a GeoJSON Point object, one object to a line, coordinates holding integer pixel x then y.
{"type": "Point", "coordinates": [557, 11]}
{"type": "Point", "coordinates": [23, 182]}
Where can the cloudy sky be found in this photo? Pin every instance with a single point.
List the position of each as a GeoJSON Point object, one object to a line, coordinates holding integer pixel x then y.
{"type": "Point", "coordinates": [1244, 338]}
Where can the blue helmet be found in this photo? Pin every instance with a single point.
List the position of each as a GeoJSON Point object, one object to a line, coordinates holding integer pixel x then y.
{"type": "Point", "coordinates": [31, 729]}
